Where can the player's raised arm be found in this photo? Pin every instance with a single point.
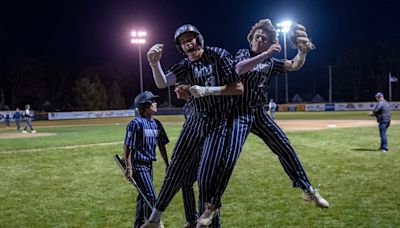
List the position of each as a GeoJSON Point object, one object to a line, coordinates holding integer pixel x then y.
{"type": "Point", "coordinates": [299, 40]}
{"type": "Point", "coordinates": [161, 79]}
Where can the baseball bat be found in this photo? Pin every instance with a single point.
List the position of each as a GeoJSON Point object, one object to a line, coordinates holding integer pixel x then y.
{"type": "Point", "coordinates": [122, 165]}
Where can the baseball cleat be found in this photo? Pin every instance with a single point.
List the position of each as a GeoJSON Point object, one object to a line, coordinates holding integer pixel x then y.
{"type": "Point", "coordinates": [24, 131]}
{"type": "Point", "coordinates": [34, 131]}
{"type": "Point", "coordinates": [190, 224]}
{"type": "Point", "coordinates": [314, 197]}
{"type": "Point", "coordinates": [384, 151]}
{"type": "Point", "coordinates": [209, 214]}
{"type": "Point", "coordinates": [151, 224]}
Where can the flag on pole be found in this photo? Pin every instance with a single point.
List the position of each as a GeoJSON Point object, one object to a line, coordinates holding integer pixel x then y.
{"type": "Point", "coordinates": [393, 78]}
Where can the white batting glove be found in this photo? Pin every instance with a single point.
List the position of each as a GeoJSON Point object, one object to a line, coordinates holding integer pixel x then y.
{"type": "Point", "coordinates": [154, 54]}
{"type": "Point", "coordinates": [199, 91]}
{"type": "Point", "coordinates": [202, 91]}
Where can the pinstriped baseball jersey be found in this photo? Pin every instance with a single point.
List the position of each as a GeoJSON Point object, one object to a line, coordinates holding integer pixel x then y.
{"type": "Point", "coordinates": [142, 137]}
{"type": "Point", "coordinates": [214, 68]}
{"type": "Point", "coordinates": [257, 81]}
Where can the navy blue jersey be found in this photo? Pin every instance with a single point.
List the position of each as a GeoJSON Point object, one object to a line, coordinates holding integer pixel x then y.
{"type": "Point", "coordinates": [142, 137]}
{"type": "Point", "coordinates": [214, 68]}
{"type": "Point", "coordinates": [17, 115]}
{"type": "Point", "coordinates": [256, 82]}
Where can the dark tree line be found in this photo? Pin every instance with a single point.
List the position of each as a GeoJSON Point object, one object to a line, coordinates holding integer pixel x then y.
{"type": "Point", "coordinates": [48, 88]}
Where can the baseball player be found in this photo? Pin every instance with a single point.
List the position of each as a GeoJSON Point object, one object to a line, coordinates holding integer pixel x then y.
{"type": "Point", "coordinates": [207, 127]}
{"type": "Point", "coordinates": [7, 120]}
{"type": "Point", "coordinates": [383, 116]}
{"type": "Point", "coordinates": [28, 119]}
{"type": "Point", "coordinates": [143, 134]}
{"type": "Point", "coordinates": [256, 67]}
{"type": "Point", "coordinates": [190, 178]}
{"type": "Point", "coordinates": [17, 117]}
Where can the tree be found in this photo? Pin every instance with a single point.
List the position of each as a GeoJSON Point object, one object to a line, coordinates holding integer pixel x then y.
{"type": "Point", "coordinates": [90, 95]}
{"type": "Point", "coordinates": [115, 98]}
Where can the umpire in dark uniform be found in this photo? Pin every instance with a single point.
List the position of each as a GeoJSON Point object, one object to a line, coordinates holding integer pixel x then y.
{"type": "Point", "coordinates": [383, 116]}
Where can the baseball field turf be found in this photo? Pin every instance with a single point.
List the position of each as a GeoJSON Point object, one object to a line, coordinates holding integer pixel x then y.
{"type": "Point", "coordinates": [69, 178]}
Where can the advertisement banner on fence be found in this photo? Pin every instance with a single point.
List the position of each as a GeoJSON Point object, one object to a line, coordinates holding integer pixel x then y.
{"type": "Point", "coordinates": [355, 106]}
{"type": "Point", "coordinates": [315, 107]}
{"type": "Point", "coordinates": [89, 115]}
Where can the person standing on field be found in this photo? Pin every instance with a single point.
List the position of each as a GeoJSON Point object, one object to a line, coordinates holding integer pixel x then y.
{"type": "Point", "coordinates": [17, 117]}
{"type": "Point", "coordinates": [143, 135]}
{"type": "Point", "coordinates": [383, 117]}
{"type": "Point", "coordinates": [272, 108]}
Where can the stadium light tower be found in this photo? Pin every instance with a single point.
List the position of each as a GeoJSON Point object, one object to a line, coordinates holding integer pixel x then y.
{"type": "Point", "coordinates": [139, 38]}
{"type": "Point", "coordinates": [284, 27]}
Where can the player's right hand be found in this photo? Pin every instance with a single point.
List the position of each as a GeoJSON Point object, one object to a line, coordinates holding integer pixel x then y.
{"type": "Point", "coordinates": [274, 48]}
{"type": "Point", "coordinates": [154, 54]}
{"type": "Point", "coordinates": [128, 172]}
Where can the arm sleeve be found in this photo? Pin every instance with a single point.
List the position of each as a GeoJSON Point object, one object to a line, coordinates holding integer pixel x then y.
{"type": "Point", "coordinates": [377, 109]}
{"type": "Point", "coordinates": [179, 72]}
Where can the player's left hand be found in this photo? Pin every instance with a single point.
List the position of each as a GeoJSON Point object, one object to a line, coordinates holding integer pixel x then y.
{"type": "Point", "coordinates": [370, 113]}
{"type": "Point", "coordinates": [299, 39]}
{"type": "Point", "coordinates": [199, 91]}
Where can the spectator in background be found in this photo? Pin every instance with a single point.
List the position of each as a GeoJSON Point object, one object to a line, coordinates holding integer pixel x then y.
{"type": "Point", "coordinates": [272, 108]}
{"type": "Point", "coordinates": [7, 120]}
{"type": "Point", "coordinates": [383, 116]}
{"type": "Point", "coordinates": [17, 118]}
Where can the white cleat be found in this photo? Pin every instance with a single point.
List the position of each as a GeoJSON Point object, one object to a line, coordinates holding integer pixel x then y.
{"type": "Point", "coordinates": [24, 132]}
{"type": "Point", "coordinates": [208, 215]}
{"type": "Point", "coordinates": [384, 151]}
{"type": "Point", "coordinates": [150, 224]}
{"type": "Point", "coordinates": [34, 131]}
{"type": "Point", "coordinates": [314, 197]}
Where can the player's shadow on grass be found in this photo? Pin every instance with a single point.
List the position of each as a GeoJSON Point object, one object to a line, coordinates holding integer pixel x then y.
{"type": "Point", "coordinates": [364, 149]}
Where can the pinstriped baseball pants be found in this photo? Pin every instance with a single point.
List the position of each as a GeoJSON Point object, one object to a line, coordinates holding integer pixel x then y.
{"type": "Point", "coordinates": [197, 131]}
{"type": "Point", "coordinates": [262, 125]}
{"type": "Point", "coordinates": [273, 136]}
{"type": "Point", "coordinates": [143, 176]}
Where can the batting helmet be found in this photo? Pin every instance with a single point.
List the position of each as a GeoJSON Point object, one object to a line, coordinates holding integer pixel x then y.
{"type": "Point", "coordinates": [379, 94]}
{"type": "Point", "coordinates": [185, 29]}
{"type": "Point", "coordinates": [144, 99]}
{"type": "Point", "coordinates": [27, 106]}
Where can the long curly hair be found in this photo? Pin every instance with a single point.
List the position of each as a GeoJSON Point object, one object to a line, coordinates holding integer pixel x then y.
{"type": "Point", "coordinates": [265, 25]}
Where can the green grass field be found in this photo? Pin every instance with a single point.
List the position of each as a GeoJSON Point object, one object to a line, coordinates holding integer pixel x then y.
{"type": "Point", "coordinates": [81, 186]}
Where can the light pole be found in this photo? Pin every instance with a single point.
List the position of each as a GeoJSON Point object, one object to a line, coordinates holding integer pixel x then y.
{"type": "Point", "coordinates": [284, 27]}
{"type": "Point", "coordinates": [138, 38]}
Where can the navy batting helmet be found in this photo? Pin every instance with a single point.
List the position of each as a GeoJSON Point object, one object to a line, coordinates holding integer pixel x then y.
{"type": "Point", "coordinates": [379, 94]}
{"type": "Point", "coordinates": [145, 98]}
{"type": "Point", "coordinates": [185, 29]}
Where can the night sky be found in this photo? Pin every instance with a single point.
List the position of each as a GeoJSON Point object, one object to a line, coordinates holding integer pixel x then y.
{"type": "Point", "coordinates": [98, 32]}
